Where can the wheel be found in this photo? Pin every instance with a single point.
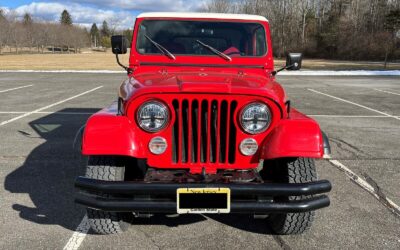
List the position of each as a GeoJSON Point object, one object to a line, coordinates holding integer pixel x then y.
{"type": "Point", "coordinates": [290, 170]}
{"type": "Point", "coordinates": [107, 168]}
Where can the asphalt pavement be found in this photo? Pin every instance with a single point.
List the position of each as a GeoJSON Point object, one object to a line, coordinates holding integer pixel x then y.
{"type": "Point", "coordinates": [41, 112]}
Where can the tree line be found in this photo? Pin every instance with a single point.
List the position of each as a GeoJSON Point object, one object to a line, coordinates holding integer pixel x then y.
{"type": "Point", "coordinates": [333, 29]}
{"type": "Point", "coordinates": [40, 36]}
{"type": "Point", "coordinates": [102, 36]}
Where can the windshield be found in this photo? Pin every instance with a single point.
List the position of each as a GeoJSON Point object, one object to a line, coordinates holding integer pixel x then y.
{"type": "Point", "coordinates": [182, 38]}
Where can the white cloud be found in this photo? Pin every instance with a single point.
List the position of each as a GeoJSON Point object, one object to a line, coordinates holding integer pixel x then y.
{"type": "Point", "coordinates": [149, 5]}
{"type": "Point", "coordinates": [81, 15]}
{"type": "Point", "coordinates": [4, 10]}
{"type": "Point", "coordinates": [86, 12]}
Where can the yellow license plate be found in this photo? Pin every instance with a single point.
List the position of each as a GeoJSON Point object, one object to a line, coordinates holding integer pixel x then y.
{"type": "Point", "coordinates": [203, 200]}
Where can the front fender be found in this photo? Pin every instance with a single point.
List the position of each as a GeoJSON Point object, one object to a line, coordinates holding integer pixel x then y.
{"type": "Point", "coordinates": [107, 133]}
{"type": "Point", "coordinates": [297, 136]}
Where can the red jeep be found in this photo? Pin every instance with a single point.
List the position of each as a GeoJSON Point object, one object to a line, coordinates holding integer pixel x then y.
{"type": "Point", "coordinates": [201, 126]}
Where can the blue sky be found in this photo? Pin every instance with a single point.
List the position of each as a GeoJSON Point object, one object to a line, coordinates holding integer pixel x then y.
{"type": "Point", "coordinates": [120, 13]}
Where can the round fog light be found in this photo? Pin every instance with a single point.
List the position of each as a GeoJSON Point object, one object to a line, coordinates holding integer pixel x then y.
{"type": "Point", "coordinates": [158, 145]}
{"type": "Point", "coordinates": [248, 146]}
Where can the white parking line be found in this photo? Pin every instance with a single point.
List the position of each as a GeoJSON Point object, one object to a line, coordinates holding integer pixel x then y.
{"type": "Point", "coordinates": [48, 106]}
{"type": "Point", "coordinates": [6, 90]}
{"type": "Point", "coordinates": [79, 235]}
{"type": "Point", "coordinates": [352, 116]}
{"type": "Point", "coordinates": [385, 91]}
{"type": "Point", "coordinates": [356, 104]}
{"type": "Point", "coordinates": [368, 187]}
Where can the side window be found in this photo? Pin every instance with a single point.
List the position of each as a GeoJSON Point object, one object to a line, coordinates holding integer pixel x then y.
{"type": "Point", "coordinates": [260, 49]}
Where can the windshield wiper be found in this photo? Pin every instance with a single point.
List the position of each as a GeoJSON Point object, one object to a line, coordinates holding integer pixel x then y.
{"type": "Point", "coordinates": [215, 51]}
{"type": "Point", "coordinates": [161, 48]}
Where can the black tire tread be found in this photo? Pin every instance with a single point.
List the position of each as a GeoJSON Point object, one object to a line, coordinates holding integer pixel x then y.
{"type": "Point", "coordinates": [299, 170]}
{"type": "Point", "coordinates": [105, 168]}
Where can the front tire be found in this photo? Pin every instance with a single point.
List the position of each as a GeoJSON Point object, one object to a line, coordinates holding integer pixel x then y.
{"type": "Point", "coordinates": [106, 168]}
{"type": "Point", "coordinates": [290, 170]}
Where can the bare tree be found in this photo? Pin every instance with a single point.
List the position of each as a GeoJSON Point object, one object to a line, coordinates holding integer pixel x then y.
{"type": "Point", "coordinates": [3, 30]}
{"type": "Point", "coordinates": [220, 6]}
{"type": "Point", "coordinates": [305, 8]}
{"type": "Point", "coordinates": [113, 24]}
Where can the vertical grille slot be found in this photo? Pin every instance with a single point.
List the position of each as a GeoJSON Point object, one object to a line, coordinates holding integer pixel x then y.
{"type": "Point", "coordinates": [195, 130]}
{"type": "Point", "coordinates": [213, 131]}
{"type": "Point", "coordinates": [175, 133]}
{"type": "Point", "coordinates": [223, 131]}
{"type": "Point", "coordinates": [232, 133]}
{"type": "Point", "coordinates": [204, 131]}
{"type": "Point", "coordinates": [185, 131]}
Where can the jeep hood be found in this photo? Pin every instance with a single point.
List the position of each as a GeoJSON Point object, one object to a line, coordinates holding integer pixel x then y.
{"type": "Point", "coordinates": [209, 82]}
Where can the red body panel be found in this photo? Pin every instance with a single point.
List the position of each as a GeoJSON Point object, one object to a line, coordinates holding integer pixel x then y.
{"type": "Point", "coordinates": [181, 81]}
{"type": "Point", "coordinates": [109, 134]}
{"type": "Point", "coordinates": [296, 136]}
{"type": "Point", "coordinates": [209, 79]}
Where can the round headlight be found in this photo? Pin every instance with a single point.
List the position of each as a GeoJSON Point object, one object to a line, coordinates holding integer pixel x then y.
{"type": "Point", "coordinates": [255, 118]}
{"type": "Point", "coordinates": [152, 116]}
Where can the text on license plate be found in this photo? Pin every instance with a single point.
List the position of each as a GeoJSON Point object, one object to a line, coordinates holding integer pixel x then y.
{"type": "Point", "coordinates": [203, 200]}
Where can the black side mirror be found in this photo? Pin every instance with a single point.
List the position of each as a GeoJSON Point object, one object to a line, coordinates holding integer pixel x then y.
{"type": "Point", "coordinates": [119, 44]}
{"type": "Point", "coordinates": [293, 61]}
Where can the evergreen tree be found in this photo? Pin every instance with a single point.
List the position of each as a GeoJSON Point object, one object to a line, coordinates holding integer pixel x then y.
{"type": "Point", "coordinates": [105, 30]}
{"type": "Point", "coordinates": [27, 19]}
{"type": "Point", "coordinates": [94, 35]}
{"type": "Point", "coordinates": [66, 18]}
{"type": "Point", "coordinates": [94, 30]}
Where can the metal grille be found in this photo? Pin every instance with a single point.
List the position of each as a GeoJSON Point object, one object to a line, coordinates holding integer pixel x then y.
{"type": "Point", "coordinates": [204, 131]}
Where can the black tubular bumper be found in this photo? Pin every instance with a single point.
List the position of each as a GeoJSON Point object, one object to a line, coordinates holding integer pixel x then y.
{"type": "Point", "coordinates": [124, 204]}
